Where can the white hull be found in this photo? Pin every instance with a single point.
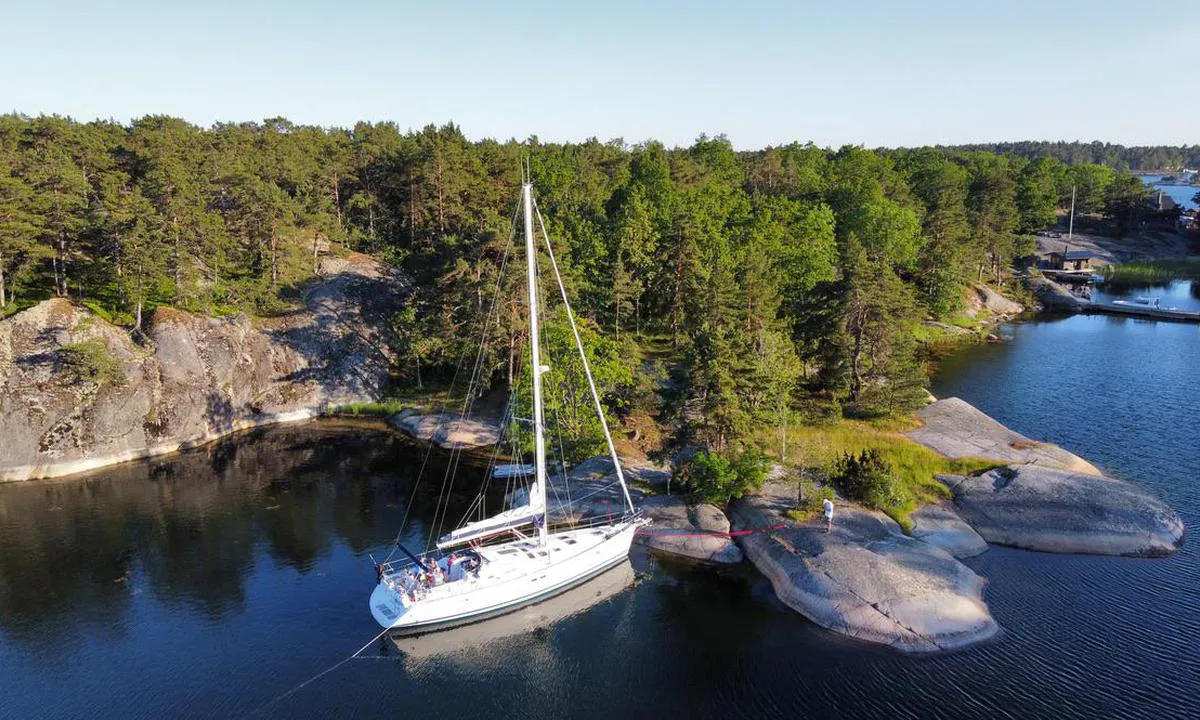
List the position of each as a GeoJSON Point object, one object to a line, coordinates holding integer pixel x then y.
{"type": "Point", "coordinates": [513, 575]}
{"type": "Point", "coordinates": [469, 637]}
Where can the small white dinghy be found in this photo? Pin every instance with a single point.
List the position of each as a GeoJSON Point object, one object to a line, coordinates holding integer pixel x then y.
{"type": "Point", "coordinates": [465, 581]}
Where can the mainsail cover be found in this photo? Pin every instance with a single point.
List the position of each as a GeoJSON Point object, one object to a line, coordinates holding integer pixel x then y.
{"type": "Point", "coordinates": [530, 513]}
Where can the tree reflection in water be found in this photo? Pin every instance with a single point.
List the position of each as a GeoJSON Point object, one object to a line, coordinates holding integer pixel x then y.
{"type": "Point", "coordinates": [188, 529]}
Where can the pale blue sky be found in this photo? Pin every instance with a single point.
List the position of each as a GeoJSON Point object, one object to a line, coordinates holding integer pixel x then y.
{"type": "Point", "coordinates": [834, 72]}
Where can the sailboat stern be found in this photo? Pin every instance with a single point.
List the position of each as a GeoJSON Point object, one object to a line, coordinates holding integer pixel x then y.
{"type": "Point", "coordinates": [387, 607]}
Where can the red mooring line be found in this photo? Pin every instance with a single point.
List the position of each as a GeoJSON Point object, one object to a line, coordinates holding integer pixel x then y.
{"type": "Point", "coordinates": [713, 533]}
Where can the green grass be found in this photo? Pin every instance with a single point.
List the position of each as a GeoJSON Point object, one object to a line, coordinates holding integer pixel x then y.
{"type": "Point", "coordinates": [944, 338]}
{"type": "Point", "coordinates": [16, 306]}
{"type": "Point", "coordinates": [967, 322]}
{"type": "Point", "coordinates": [370, 409]}
{"type": "Point", "coordinates": [1153, 271]}
{"type": "Point", "coordinates": [90, 360]}
{"type": "Point", "coordinates": [644, 486]}
{"type": "Point", "coordinates": [938, 336]}
{"type": "Point", "coordinates": [98, 310]}
{"type": "Point", "coordinates": [914, 466]}
{"type": "Point", "coordinates": [814, 496]}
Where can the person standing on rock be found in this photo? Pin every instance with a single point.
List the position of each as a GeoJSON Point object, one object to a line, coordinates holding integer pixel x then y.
{"type": "Point", "coordinates": [828, 507]}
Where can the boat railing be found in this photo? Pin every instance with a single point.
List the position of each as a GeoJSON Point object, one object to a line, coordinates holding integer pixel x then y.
{"type": "Point", "coordinates": [598, 520]}
{"type": "Point", "coordinates": [397, 567]}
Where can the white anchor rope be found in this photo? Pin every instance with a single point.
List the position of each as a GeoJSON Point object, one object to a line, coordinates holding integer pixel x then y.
{"type": "Point", "coordinates": [314, 678]}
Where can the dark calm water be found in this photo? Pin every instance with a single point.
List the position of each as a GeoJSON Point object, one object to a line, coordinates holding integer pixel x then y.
{"type": "Point", "coordinates": [206, 584]}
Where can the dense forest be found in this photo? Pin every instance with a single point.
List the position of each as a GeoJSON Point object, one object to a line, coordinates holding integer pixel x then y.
{"type": "Point", "coordinates": [1146, 158]}
{"type": "Point", "coordinates": [769, 277]}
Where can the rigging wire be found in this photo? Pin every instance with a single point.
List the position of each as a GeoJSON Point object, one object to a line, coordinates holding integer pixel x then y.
{"type": "Point", "coordinates": [562, 466]}
{"type": "Point", "coordinates": [479, 503]}
{"type": "Point", "coordinates": [583, 358]}
{"type": "Point", "coordinates": [453, 381]}
{"type": "Point", "coordinates": [469, 401]}
{"type": "Point", "coordinates": [456, 453]}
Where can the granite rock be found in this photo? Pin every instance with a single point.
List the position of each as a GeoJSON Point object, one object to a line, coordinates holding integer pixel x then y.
{"type": "Point", "coordinates": [1053, 510]}
{"type": "Point", "coordinates": [866, 579]}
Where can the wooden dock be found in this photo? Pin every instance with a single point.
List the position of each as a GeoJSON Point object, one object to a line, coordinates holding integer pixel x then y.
{"type": "Point", "coordinates": [1075, 277]}
{"type": "Point", "coordinates": [1145, 311]}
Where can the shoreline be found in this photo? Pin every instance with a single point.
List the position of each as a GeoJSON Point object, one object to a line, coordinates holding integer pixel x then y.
{"type": "Point", "coordinates": [869, 579]}
{"type": "Point", "coordinates": [67, 469]}
{"type": "Point", "coordinates": [58, 470]}
{"type": "Point", "coordinates": [191, 379]}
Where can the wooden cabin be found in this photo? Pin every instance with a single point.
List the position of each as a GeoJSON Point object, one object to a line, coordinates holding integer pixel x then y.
{"type": "Point", "coordinates": [1072, 260]}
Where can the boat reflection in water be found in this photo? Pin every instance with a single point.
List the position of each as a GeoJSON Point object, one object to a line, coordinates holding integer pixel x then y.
{"type": "Point", "coordinates": [467, 638]}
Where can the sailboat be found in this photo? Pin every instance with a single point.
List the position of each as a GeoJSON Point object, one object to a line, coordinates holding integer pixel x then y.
{"type": "Point", "coordinates": [501, 563]}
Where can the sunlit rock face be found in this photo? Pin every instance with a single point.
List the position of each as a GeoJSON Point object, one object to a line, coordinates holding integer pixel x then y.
{"type": "Point", "coordinates": [956, 429]}
{"type": "Point", "coordinates": [941, 526]}
{"type": "Point", "coordinates": [865, 579]}
{"type": "Point", "coordinates": [448, 430]}
{"type": "Point", "coordinates": [188, 379]}
{"type": "Point", "coordinates": [698, 532]}
{"type": "Point", "coordinates": [1059, 511]}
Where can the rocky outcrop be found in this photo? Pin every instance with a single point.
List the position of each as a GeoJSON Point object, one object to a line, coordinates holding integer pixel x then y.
{"type": "Point", "coordinates": [447, 430]}
{"type": "Point", "coordinates": [699, 532]}
{"type": "Point", "coordinates": [866, 579]}
{"type": "Point", "coordinates": [956, 429]}
{"type": "Point", "coordinates": [191, 379]}
{"type": "Point", "coordinates": [1045, 498]}
{"type": "Point", "coordinates": [941, 527]}
{"type": "Point", "coordinates": [590, 489]}
{"type": "Point", "coordinates": [988, 299]}
{"type": "Point", "coordinates": [1054, 297]}
{"type": "Point", "coordinates": [600, 467]}
{"type": "Point", "coordinates": [1059, 511]}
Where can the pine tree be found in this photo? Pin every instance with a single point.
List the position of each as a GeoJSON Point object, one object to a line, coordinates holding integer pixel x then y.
{"type": "Point", "coordinates": [941, 186]}
{"type": "Point", "coordinates": [134, 231]}
{"type": "Point", "coordinates": [634, 242]}
{"type": "Point", "coordinates": [1037, 195]}
{"type": "Point", "coordinates": [63, 191]}
{"type": "Point", "coordinates": [19, 232]}
{"type": "Point", "coordinates": [994, 216]}
{"type": "Point", "coordinates": [1125, 202]}
{"type": "Point", "coordinates": [177, 179]}
{"type": "Point", "coordinates": [876, 367]}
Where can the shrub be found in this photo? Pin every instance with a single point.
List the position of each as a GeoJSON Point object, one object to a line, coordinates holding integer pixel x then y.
{"type": "Point", "coordinates": [90, 360]}
{"type": "Point", "coordinates": [383, 409]}
{"type": "Point", "coordinates": [821, 447]}
{"type": "Point", "coordinates": [98, 311]}
{"type": "Point", "coordinates": [809, 499]}
{"type": "Point", "coordinates": [751, 469]}
{"type": "Point", "coordinates": [869, 479]}
{"type": "Point", "coordinates": [1153, 271]}
{"type": "Point", "coordinates": [718, 479]}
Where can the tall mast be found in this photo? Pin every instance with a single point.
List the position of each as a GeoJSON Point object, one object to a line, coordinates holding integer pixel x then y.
{"type": "Point", "coordinates": [539, 440]}
{"type": "Point", "coordinates": [1071, 222]}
